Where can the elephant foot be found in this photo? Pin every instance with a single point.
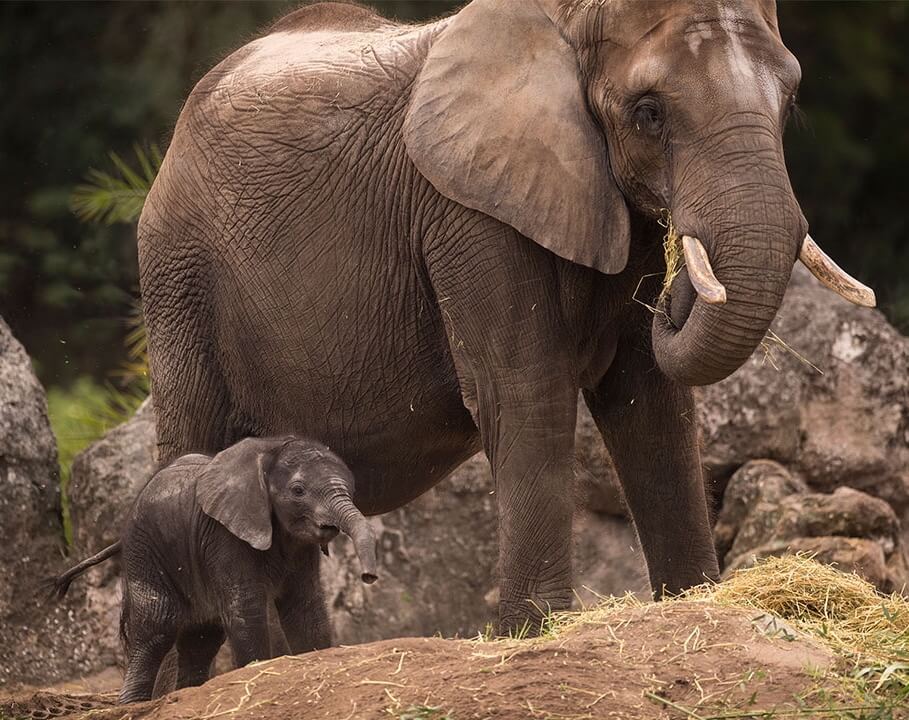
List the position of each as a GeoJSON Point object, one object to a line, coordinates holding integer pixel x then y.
{"type": "Point", "coordinates": [531, 615]}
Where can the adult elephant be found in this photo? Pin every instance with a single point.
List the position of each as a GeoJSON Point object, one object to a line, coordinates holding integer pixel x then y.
{"type": "Point", "coordinates": [415, 242]}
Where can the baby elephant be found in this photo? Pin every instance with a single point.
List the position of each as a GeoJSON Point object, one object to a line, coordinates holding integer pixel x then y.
{"type": "Point", "coordinates": [189, 580]}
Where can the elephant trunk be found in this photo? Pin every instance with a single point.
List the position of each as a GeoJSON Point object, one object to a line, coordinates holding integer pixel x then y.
{"type": "Point", "coordinates": [352, 523]}
{"type": "Point", "coordinates": [750, 234]}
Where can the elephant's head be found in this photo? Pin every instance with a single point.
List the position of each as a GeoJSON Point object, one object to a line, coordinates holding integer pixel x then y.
{"type": "Point", "coordinates": [300, 484]}
{"type": "Point", "coordinates": [559, 117]}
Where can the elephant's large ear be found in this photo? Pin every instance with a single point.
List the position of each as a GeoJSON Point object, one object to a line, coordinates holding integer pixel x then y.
{"type": "Point", "coordinates": [232, 490]}
{"type": "Point", "coordinates": [498, 121]}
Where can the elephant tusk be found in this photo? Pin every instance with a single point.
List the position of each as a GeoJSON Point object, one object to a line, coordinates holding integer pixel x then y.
{"type": "Point", "coordinates": [708, 288]}
{"type": "Point", "coordinates": [833, 276]}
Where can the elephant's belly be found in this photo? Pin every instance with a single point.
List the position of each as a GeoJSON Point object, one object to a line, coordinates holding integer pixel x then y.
{"type": "Point", "coordinates": [377, 385]}
{"type": "Point", "coordinates": [396, 451]}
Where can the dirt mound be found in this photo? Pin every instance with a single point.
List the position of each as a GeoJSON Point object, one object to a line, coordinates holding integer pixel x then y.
{"type": "Point", "coordinates": [788, 637]}
{"type": "Point", "coordinates": [639, 662]}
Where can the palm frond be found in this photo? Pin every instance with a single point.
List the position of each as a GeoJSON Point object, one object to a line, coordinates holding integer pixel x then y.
{"type": "Point", "coordinates": [117, 196]}
{"type": "Point", "coordinates": [134, 371]}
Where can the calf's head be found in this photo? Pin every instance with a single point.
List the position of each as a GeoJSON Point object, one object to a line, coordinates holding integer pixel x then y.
{"type": "Point", "coordinates": [299, 484]}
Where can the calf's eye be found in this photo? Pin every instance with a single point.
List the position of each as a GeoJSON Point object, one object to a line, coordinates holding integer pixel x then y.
{"type": "Point", "coordinates": [297, 489]}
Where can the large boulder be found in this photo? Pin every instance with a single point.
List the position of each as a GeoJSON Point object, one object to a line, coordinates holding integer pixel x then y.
{"type": "Point", "coordinates": [768, 511]}
{"type": "Point", "coordinates": [104, 480]}
{"type": "Point", "coordinates": [29, 482]}
{"type": "Point", "coordinates": [38, 642]}
{"type": "Point", "coordinates": [828, 398]}
{"type": "Point", "coordinates": [826, 394]}
{"type": "Point", "coordinates": [107, 476]}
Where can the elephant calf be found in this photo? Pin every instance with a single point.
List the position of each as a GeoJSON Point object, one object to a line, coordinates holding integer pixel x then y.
{"type": "Point", "coordinates": [190, 579]}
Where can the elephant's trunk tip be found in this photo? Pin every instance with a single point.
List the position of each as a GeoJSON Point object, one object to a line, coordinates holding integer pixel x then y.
{"type": "Point", "coordinates": [365, 544]}
{"type": "Point", "coordinates": [358, 529]}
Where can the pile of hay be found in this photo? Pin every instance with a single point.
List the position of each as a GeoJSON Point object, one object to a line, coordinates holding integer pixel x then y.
{"type": "Point", "coordinates": [867, 631]}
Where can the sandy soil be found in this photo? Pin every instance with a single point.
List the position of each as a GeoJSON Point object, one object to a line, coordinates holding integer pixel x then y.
{"type": "Point", "coordinates": [654, 661]}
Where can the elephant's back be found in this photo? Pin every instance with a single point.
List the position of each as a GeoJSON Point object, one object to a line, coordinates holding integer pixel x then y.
{"type": "Point", "coordinates": [164, 506]}
{"type": "Point", "coordinates": [329, 55]}
{"type": "Point", "coordinates": [276, 121]}
{"type": "Point", "coordinates": [330, 16]}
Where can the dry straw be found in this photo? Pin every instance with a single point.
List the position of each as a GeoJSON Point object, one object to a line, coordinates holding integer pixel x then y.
{"type": "Point", "coordinates": [845, 612]}
{"type": "Point", "coordinates": [672, 254]}
{"type": "Point", "coordinates": [867, 631]}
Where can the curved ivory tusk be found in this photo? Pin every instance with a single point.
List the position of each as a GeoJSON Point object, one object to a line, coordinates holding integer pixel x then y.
{"type": "Point", "coordinates": [700, 273]}
{"type": "Point", "coordinates": [833, 276]}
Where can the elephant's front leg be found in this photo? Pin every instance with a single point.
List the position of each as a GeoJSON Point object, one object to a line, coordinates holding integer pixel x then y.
{"type": "Point", "coordinates": [245, 618]}
{"type": "Point", "coordinates": [528, 435]}
{"type": "Point", "coordinates": [500, 299]}
{"type": "Point", "coordinates": [301, 607]}
{"type": "Point", "coordinates": [648, 424]}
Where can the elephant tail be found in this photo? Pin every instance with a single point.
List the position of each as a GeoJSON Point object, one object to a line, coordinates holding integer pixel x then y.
{"type": "Point", "coordinates": [58, 586]}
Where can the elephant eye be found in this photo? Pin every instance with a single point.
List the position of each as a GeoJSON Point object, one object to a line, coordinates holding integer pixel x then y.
{"type": "Point", "coordinates": [297, 489]}
{"type": "Point", "coordinates": [647, 116]}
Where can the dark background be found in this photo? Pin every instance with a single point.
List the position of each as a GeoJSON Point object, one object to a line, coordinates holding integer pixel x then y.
{"type": "Point", "coordinates": [81, 79]}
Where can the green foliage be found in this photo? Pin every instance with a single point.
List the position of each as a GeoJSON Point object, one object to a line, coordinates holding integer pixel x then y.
{"type": "Point", "coordinates": [84, 80]}
{"type": "Point", "coordinates": [117, 197]}
{"type": "Point", "coordinates": [82, 413]}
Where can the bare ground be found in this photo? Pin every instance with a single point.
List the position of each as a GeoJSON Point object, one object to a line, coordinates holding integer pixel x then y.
{"type": "Point", "coordinates": [668, 660]}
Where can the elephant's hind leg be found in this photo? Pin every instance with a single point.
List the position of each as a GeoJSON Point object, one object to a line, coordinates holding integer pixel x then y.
{"type": "Point", "coordinates": [196, 649]}
{"type": "Point", "coordinates": [192, 404]}
{"type": "Point", "coordinates": [152, 631]}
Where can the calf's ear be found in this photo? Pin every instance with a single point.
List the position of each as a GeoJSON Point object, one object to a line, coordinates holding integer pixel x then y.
{"type": "Point", "coordinates": [232, 490]}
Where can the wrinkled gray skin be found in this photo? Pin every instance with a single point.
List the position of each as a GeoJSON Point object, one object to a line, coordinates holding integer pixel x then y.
{"type": "Point", "coordinates": [415, 242]}
{"type": "Point", "coordinates": [190, 580]}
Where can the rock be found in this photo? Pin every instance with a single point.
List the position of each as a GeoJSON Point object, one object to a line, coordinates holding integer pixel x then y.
{"type": "Point", "coordinates": [439, 556]}
{"type": "Point", "coordinates": [107, 476]}
{"type": "Point", "coordinates": [104, 480]}
{"type": "Point", "coordinates": [848, 426]}
{"type": "Point", "coordinates": [758, 481]}
{"type": "Point", "coordinates": [768, 511]}
{"type": "Point", "coordinates": [38, 642]}
{"type": "Point", "coordinates": [29, 482]}
{"type": "Point", "coordinates": [864, 557]}
{"type": "Point", "coordinates": [845, 512]}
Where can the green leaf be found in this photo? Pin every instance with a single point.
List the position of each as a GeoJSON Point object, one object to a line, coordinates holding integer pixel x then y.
{"type": "Point", "coordinates": [118, 196]}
